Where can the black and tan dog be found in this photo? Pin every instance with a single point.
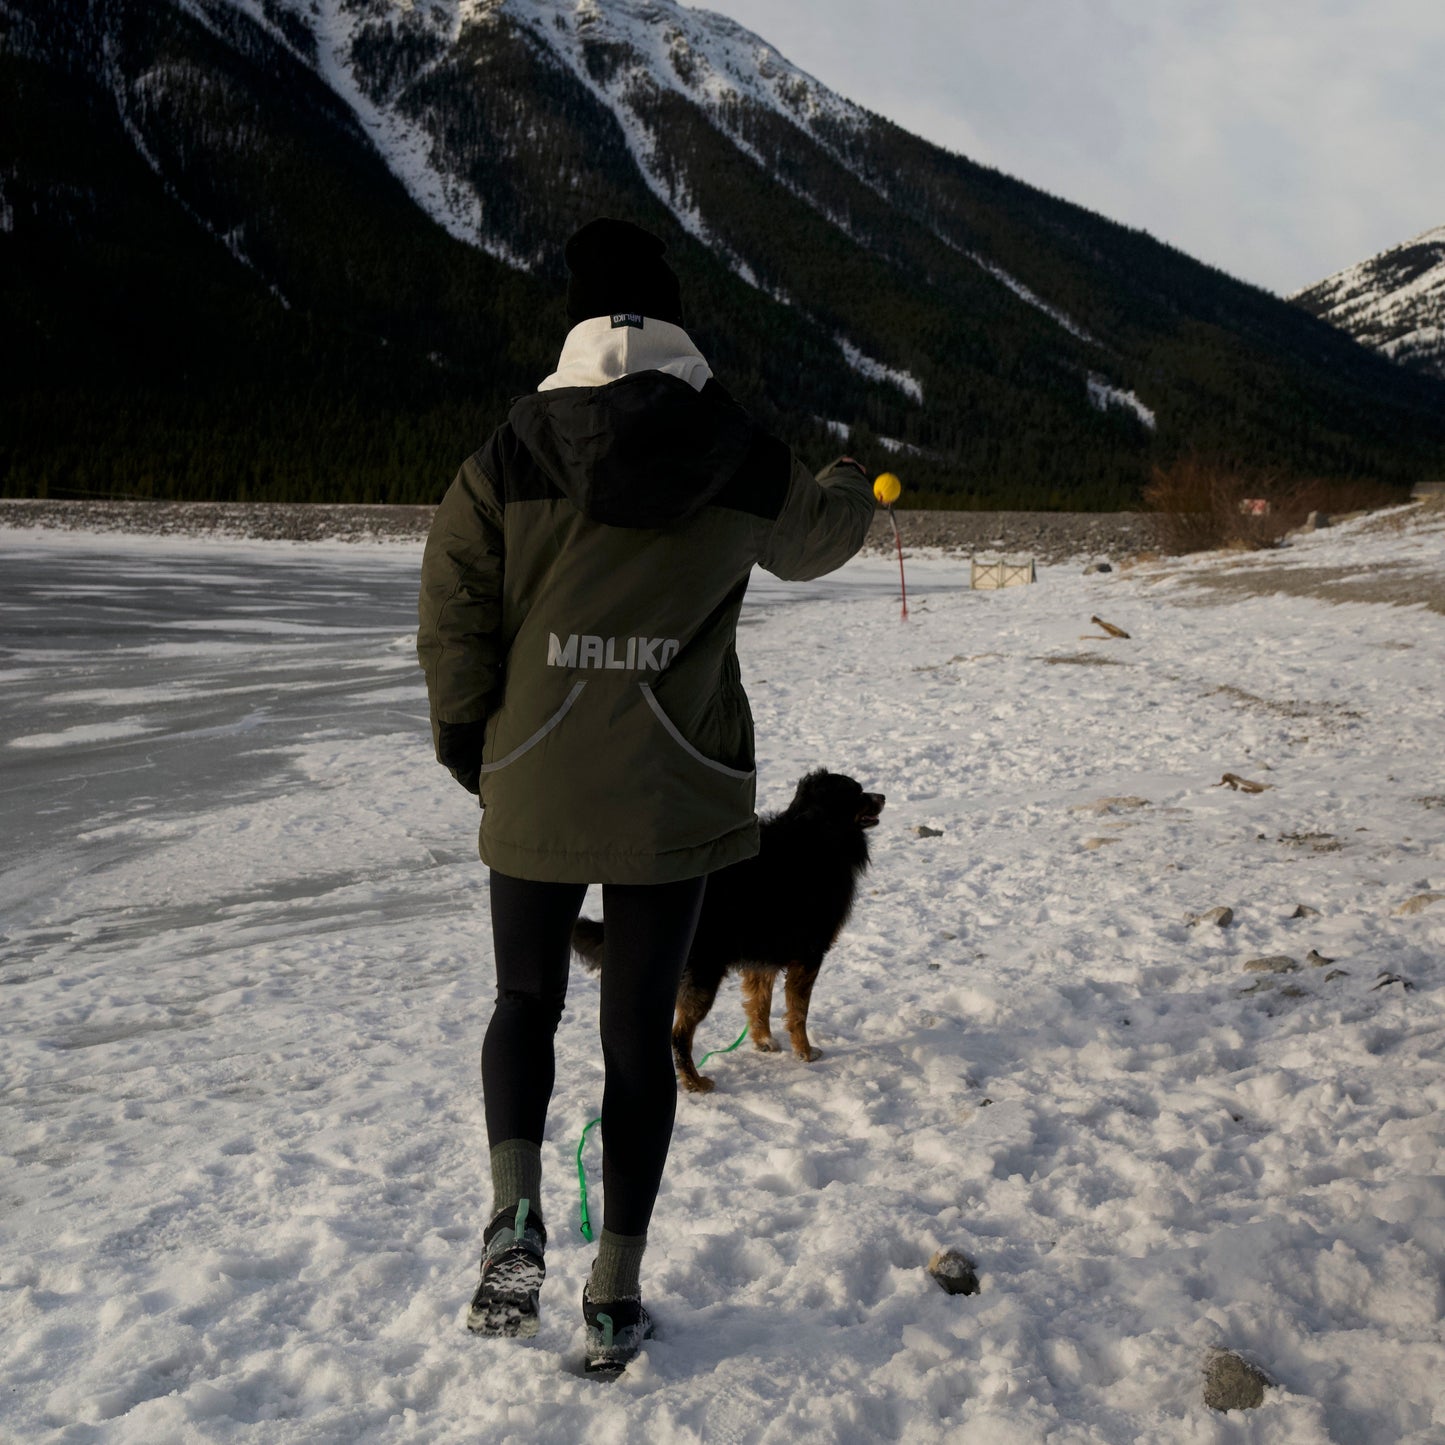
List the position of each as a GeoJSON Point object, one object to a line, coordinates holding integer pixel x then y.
{"type": "Point", "coordinates": [780, 911]}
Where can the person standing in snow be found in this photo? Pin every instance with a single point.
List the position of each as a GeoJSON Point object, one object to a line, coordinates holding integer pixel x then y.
{"type": "Point", "coordinates": [580, 595]}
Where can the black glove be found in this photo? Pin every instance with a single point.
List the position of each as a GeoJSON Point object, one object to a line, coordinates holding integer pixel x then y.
{"type": "Point", "coordinates": [459, 750]}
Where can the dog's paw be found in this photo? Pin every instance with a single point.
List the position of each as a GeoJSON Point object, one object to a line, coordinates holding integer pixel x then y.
{"type": "Point", "coordinates": [700, 1085]}
{"type": "Point", "coordinates": [809, 1055]}
{"type": "Point", "coordinates": [766, 1045]}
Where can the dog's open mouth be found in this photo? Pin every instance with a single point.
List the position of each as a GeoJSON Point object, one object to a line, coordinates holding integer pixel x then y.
{"type": "Point", "coordinates": [869, 810]}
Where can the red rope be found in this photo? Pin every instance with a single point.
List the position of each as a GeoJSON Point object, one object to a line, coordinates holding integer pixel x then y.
{"type": "Point", "coordinates": [898, 542]}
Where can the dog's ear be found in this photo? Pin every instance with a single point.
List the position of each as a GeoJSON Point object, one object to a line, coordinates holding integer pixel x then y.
{"type": "Point", "coordinates": [823, 794]}
{"type": "Point", "coordinates": [805, 795]}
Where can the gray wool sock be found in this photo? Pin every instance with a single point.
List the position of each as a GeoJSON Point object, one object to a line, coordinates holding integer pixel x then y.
{"type": "Point", "coordinates": [516, 1175]}
{"type": "Point", "coordinates": [617, 1270]}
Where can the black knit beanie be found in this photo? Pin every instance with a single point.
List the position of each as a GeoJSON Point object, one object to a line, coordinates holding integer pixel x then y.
{"type": "Point", "coordinates": [616, 269]}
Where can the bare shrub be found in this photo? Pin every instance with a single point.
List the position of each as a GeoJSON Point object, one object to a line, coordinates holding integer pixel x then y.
{"type": "Point", "coordinates": [1202, 506]}
{"type": "Point", "coordinates": [1296, 499]}
{"type": "Point", "coordinates": [1196, 504]}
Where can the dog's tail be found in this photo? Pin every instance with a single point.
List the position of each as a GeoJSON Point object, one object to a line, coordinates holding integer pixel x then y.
{"type": "Point", "coordinates": [587, 941]}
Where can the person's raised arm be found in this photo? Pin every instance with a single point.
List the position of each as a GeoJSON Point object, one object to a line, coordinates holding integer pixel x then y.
{"type": "Point", "coordinates": [823, 522]}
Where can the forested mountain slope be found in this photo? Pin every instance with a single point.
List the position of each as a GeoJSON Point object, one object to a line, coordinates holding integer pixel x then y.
{"type": "Point", "coordinates": [309, 249]}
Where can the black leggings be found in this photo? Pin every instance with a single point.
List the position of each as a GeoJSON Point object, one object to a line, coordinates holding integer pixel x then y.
{"type": "Point", "coordinates": [649, 931]}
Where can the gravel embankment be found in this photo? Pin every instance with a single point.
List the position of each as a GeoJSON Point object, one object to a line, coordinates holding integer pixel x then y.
{"type": "Point", "coordinates": [1046, 536]}
{"type": "Point", "coordinates": [249, 521]}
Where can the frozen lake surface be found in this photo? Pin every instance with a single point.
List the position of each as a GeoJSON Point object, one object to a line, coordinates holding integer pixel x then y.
{"type": "Point", "coordinates": [142, 680]}
{"type": "Point", "coordinates": [245, 962]}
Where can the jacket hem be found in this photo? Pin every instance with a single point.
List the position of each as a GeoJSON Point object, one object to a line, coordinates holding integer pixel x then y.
{"type": "Point", "coordinates": [541, 865]}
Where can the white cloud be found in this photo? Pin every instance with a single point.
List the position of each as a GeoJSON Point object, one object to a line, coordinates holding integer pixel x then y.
{"type": "Point", "coordinates": [1278, 139]}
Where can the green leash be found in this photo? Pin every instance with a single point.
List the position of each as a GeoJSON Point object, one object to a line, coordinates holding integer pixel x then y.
{"type": "Point", "coordinates": [582, 1143]}
{"type": "Point", "coordinates": [727, 1050]}
{"type": "Point", "coordinates": [582, 1181]}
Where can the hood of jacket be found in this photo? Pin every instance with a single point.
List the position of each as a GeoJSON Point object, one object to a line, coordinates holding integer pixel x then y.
{"type": "Point", "coordinates": [631, 427]}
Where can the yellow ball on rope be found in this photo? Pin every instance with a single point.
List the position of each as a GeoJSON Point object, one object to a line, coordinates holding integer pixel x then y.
{"type": "Point", "coordinates": [887, 488]}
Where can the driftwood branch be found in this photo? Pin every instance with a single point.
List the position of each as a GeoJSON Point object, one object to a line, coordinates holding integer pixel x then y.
{"type": "Point", "coordinates": [1109, 631]}
{"type": "Point", "coordinates": [1242, 785]}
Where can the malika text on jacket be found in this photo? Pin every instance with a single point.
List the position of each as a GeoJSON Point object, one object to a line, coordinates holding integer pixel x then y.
{"type": "Point", "coordinates": [622, 654]}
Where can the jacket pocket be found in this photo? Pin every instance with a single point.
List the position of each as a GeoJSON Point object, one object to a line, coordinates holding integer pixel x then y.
{"type": "Point", "coordinates": [531, 742]}
{"type": "Point", "coordinates": [672, 731]}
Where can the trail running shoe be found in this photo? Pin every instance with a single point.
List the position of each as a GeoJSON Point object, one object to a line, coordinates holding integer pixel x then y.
{"type": "Point", "coordinates": [615, 1332]}
{"type": "Point", "coordinates": [505, 1303]}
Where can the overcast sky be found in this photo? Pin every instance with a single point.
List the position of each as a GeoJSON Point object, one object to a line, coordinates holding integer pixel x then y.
{"type": "Point", "coordinates": [1278, 139]}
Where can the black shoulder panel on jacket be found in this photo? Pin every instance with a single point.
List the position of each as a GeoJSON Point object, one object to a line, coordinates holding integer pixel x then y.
{"type": "Point", "coordinates": [511, 467]}
{"type": "Point", "coordinates": [760, 485]}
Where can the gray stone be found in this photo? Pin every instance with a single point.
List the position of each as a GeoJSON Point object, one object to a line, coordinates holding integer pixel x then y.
{"type": "Point", "coordinates": [1337, 973]}
{"type": "Point", "coordinates": [1274, 963]}
{"type": "Point", "coordinates": [1303, 910]}
{"type": "Point", "coordinates": [1387, 978]}
{"type": "Point", "coordinates": [1315, 842]}
{"type": "Point", "coordinates": [924, 831]}
{"type": "Point", "coordinates": [1220, 917]}
{"type": "Point", "coordinates": [955, 1272]}
{"type": "Point", "coordinates": [1418, 904]}
{"type": "Point", "coordinates": [1097, 567]}
{"type": "Point", "coordinates": [1316, 959]}
{"type": "Point", "coordinates": [1232, 1383]}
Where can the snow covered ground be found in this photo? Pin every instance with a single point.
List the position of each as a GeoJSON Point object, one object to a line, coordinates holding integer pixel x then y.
{"type": "Point", "coordinates": [246, 972]}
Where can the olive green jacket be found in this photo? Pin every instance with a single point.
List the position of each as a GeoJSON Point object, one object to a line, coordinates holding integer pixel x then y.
{"type": "Point", "coordinates": [580, 595]}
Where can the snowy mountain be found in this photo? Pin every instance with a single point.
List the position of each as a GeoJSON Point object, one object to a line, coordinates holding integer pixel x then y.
{"type": "Point", "coordinates": [633, 57]}
{"type": "Point", "coordinates": [1394, 302]}
{"type": "Point", "coordinates": [309, 248]}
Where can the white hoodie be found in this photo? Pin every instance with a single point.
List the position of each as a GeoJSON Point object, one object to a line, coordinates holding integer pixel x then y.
{"type": "Point", "coordinates": [601, 349]}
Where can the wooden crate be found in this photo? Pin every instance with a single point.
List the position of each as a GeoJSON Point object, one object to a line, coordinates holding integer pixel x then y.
{"type": "Point", "coordinates": [991, 573]}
